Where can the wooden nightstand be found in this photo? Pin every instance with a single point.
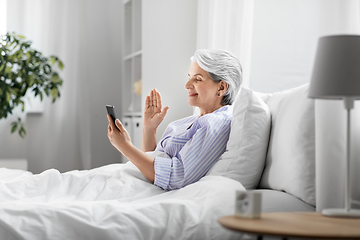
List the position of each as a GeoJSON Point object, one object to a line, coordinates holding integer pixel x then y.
{"type": "Point", "coordinates": [296, 224]}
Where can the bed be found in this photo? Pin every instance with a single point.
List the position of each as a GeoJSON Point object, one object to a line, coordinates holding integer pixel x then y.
{"type": "Point", "coordinates": [271, 149]}
{"type": "Point", "coordinates": [111, 202]}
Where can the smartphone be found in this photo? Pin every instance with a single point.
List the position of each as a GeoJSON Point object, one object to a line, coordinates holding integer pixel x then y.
{"type": "Point", "coordinates": [111, 111]}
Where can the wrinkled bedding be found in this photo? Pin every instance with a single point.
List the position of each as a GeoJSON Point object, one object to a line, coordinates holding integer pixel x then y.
{"type": "Point", "coordinates": [111, 202]}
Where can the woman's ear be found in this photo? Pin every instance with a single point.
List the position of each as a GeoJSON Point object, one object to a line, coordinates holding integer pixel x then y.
{"type": "Point", "coordinates": [223, 87]}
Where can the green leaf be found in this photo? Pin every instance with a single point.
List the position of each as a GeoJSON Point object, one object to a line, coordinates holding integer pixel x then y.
{"type": "Point", "coordinates": [36, 91]}
{"type": "Point", "coordinates": [14, 127]}
{"type": "Point", "coordinates": [14, 91]}
{"type": "Point", "coordinates": [61, 65]}
{"type": "Point", "coordinates": [18, 54]}
{"type": "Point", "coordinates": [31, 80]}
{"type": "Point", "coordinates": [7, 70]}
{"type": "Point", "coordinates": [55, 78]}
{"type": "Point", "coordinates": [8, 97]}
{"type": "Point", "coordinates": [20, 36]}
{"type": "Point", "coordinates": [23, 105]}
{"type": "Point", "coordinates": [54, 93]}
{"type": "Point", "coordinates": [52, 60]}
{"type": "Point", "coordinates": [18, 126]}
{"type": "Point", "coordinates": [22, 132]}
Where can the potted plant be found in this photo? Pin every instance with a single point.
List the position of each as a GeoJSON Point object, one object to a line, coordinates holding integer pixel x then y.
{"type": "Point", "coordinates": [23, 70]}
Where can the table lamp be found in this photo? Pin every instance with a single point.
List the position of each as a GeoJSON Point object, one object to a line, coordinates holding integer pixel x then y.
{"type": "Point", "coordinates": [336, 75]}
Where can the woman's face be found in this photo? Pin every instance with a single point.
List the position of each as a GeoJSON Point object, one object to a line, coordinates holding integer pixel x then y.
{"type": "Point", "coordinates": [203, 91]}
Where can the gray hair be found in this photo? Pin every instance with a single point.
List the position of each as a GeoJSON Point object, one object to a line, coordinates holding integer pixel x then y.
{"type": "Point", "coordinates": [221, 65]}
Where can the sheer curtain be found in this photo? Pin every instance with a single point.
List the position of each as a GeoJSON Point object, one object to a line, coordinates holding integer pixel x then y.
{"type": "Point", "coordinates": [84, 35]}
{"type": "Point", "coordinates": [2, 17]}
{"type": "Point", "coordinates": [227, 24]}
{"type": "Point", "coordinates": [54, 27]}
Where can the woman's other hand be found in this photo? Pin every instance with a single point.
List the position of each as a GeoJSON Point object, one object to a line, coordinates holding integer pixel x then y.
{"type": "Point", "coordinates": [120, 139]}
{"type": "Point", "coordinates": [118, 135]}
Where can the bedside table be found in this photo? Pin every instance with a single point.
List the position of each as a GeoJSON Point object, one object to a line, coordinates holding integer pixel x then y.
{"type": "Point", "coordinates": [296, 224]}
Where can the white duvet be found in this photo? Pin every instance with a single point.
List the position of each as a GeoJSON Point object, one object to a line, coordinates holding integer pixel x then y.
{"type": "Point", "coordinates": [111, 202]}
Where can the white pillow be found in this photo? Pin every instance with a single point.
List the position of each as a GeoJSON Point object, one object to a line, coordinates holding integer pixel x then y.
{"type": "Point", "coordinates": [290, 161]}
{"type": "Point", "coordinates": [245, 153]}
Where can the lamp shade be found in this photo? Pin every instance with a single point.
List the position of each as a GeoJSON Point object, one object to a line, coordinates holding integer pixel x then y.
{"type": "Point", "coordinates": [336, 72]}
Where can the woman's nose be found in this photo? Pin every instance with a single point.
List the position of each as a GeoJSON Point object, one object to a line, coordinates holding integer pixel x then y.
{"type": "Point", "coordinates": [188, 84]}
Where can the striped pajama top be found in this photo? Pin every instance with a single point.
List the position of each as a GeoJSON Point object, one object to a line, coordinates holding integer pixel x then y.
{"type": "Point", "coordinates": [191, 151]}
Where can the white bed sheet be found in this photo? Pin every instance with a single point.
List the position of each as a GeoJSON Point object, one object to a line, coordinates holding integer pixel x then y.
{"type": "Point", "coordinates": [111, 202]}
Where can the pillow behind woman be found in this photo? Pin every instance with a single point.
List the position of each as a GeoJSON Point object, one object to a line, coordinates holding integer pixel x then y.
{"type": "Point", "coordinates": [246, 149]}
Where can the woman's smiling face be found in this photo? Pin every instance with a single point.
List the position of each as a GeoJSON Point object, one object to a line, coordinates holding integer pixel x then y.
{"type": "Point", "coordinates": [203, 91]}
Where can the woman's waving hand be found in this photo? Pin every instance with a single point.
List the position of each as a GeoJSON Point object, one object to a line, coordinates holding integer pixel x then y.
{"type": "Point", "coordinates": [153, 116]}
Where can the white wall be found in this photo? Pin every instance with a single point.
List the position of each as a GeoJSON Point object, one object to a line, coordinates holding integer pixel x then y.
{"type": "Point", "coordinates": [284, 42]}
{"type": "Point", "coordinates": [285, 36]}
{"type": "Point", "coordinates": [169, 40]}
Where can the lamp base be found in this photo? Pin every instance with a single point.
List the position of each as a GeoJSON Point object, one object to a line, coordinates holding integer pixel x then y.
{"type": "Point", "coordinates": [341, 212]}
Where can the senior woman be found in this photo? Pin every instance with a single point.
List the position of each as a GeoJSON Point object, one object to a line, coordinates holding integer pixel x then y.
{"type": "Point", "coordinates": [189, 146]}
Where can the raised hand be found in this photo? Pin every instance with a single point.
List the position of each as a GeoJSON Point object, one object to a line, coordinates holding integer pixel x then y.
{"type": "Point", "coordinates": [153, 116]}
{"type": "Point", "coordinates": [153, 112]}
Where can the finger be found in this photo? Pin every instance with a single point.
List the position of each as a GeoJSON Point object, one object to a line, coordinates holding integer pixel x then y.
{"type": "Point", "coordinates": [147, 102]}
{"type": "Point", "coordinates": [164, 112]}
{"type": "Point", "coordinates": [109, 119]}
{"type": "Point", "coordinates": [152, 95]}
{"type": "Point", "coordinates": [159, 103]}
{"type": "Point", "coordinates": [154, 103]}
{"type": "Point", "coordinates": [119, 125]}
{"type": "Point", "coordinates": [150, 98]}
{"type": "Point", "coordinates": [111, 123]}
